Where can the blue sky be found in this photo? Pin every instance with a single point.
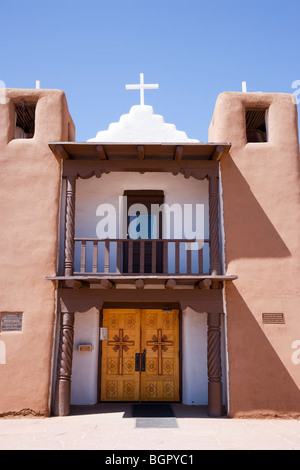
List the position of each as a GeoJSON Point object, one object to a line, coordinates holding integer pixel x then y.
{"type": "Point", "coordinates": [194, 49]}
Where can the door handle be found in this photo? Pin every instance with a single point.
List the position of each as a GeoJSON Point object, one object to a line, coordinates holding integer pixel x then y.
{"type": "Point", "coordinates": [143, 360]}
{"type": "Point", "coordinates": [137, 362]}
{"type": "Point", "coordinates": [140, 361]}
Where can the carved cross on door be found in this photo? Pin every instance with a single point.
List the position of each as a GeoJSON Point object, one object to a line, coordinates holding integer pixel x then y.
{"type": "Point", "coordinates": [159, 343]}
{"type": "Point", "coordinates": [120, 344]}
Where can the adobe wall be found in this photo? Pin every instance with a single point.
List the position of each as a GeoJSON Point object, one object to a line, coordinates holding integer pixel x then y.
{"type": "Point", "coordinates": [261, 214]}
{"type": "Point", "coordinates": [29, 208]}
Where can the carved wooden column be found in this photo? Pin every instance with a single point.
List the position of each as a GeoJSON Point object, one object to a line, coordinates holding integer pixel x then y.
{"type": "Point", "coordinates": [64, 366]}
{"type": "Point", "coordinates": [70, 225]}
{"type": "Point", "coordinates": [214, 366]}
{"type": "Point", "coordinates": [214, 225]}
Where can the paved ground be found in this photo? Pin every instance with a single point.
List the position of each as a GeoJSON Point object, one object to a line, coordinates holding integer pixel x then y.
{"type": "Point", "coordinates": [111, 427]}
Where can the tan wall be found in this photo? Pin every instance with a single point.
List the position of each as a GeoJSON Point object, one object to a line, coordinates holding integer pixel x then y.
{"type": "Point", "coordinates": [261, 212]}
{"type": "Point", "coordinates": [29, 208]}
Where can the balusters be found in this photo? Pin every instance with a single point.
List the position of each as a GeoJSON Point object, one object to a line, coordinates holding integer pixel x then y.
{"type": "Point", "coordinates": [188, 258]}
{"type": "Point", "coordinates": [106, 257]}
{"type": "Point", "coordinates": [200, 260]}
{"type": "Point", "coordinates": [165, 268]}
{"type": "Point", "coordinates": [95, 256]}
{"type": "Point", "coordinates": [142, 256]}
{"type": "Point", "coordinates": [83, 256]}
{"type": "Point", "coordinates": [130, 256]}
{"type": "Point", "coordinates": [177, 257]}
{"type": "Point", "coordinates": [153, 260]}
{"type": "Point", "coordinates": [110, 251]}
{"type": "Point", "coordinates": [119, 256]}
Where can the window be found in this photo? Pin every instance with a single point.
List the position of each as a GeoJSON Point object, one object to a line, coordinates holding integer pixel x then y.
{"type": "Point", "coordinates": [256, 124]}
{"type": "Point", "coordinates": [24, 120]}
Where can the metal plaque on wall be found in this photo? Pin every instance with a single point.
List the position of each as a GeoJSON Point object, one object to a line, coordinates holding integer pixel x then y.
{"type": "Point", "coordinates": [11, 321]}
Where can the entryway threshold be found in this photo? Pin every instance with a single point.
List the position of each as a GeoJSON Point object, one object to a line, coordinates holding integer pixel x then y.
{"type": "Point", "coordinates": [125, 409]}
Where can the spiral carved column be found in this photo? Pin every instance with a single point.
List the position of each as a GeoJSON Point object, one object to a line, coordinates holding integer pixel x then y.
{"type": "Point", "coordinates": [214, 366]}
{"type": "Point", "coordinates": [70, 225]}
{"type": "Point", "coordinates": [214, 225]}
{"type": "Point", "coordinates": [64, 366]}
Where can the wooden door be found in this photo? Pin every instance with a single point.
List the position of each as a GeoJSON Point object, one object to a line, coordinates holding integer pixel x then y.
{"type": "Point", "coordinates": [140, 358]}
{"type": "Point", "coordinates": [119, 379]}
{"type": "Point", "coordinates": [160, 338]}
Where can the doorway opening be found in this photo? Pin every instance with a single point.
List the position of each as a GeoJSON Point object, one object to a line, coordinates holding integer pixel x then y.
{"type": "Point", "coordinates": [140, 355]}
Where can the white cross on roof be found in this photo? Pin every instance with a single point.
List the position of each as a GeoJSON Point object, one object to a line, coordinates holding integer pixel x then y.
{"type": "Point", "coordinates": [141, 86]}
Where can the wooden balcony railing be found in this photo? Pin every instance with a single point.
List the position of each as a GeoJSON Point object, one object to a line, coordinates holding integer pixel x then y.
{"type": "Point", "coordinates": [145, 257]}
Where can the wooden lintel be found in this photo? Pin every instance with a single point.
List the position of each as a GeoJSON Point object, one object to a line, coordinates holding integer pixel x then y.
{"type": "Point", "coordinates": [85, 169]}
{"type": "Point", "coordinates": [141, 152]}
{"type": "Point", "coordinates": [60, 152]}
{"type": "Point", "coordinates": [178, 153]}
{"type": "Point", "coordinates": [101, 152]}
{"type": "Point", "coordinates": [218, 152]}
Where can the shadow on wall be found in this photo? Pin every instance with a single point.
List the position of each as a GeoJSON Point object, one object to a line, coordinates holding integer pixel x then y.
{"type": "Point", "coordinates": [249, 233]}
{"type": "Point", "coordinates": [259, 383]}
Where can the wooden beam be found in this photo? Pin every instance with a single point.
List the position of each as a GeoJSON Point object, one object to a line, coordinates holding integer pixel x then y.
{"type": "Point", "coordinates": [139, 284]}
{"type": "Point", "coordinates": [170, 284]}
{"type": "Point", "coordinates": [101, 152]}
{"type": "Point", "coordinates": [141, 152]}
{"type": "Point", "coordinates": [60, 152]}
{"type": "Point", "coordinates": [84, 168]}
{"type": "Point", "coordinates": [178, 153]}
{"type": "Point", "coordinates": [74, 284]}
{"type": "Point", "coordinates": [218, 152]}
{"type": "Point", "coordinates": [205, 284]}
{"type": "Point", "coordinates": [107, 284]}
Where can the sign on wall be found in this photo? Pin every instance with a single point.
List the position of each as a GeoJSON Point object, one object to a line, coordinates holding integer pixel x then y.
{"type": "Point", "coordinates": [11, 321]}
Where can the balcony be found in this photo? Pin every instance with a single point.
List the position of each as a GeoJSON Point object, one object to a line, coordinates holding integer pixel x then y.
{"type": "Point", "coordinates": [127, 257]}
{"type": "Point", "coordinates": [162, 262]}
{"type": "Point", "coordinates": [155, 263]}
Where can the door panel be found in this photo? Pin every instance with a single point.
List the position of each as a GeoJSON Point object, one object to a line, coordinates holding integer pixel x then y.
{"type": "Point", "coordinates": [160, 338]}
{"type": "Point", "coordinates": [132, 332]}
{"type": "Point", "coordinates": [119, 379]}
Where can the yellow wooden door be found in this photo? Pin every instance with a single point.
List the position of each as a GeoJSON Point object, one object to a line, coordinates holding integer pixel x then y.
{"type": "Point", "coordinates": [140, 358]}
{"type": "Point", "coordinates": [119, 379]}
{"type": "Point", "coordinates": [160, 338]}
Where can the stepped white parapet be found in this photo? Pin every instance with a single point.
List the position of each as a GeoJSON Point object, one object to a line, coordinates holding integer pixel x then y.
{"type": "Point", "coordinates": [141, 125]}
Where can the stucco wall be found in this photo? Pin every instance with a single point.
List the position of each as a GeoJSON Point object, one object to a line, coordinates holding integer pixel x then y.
{"type": "Point", "coordinates": [29, 207]}
{"type": "Point", "coordinates": [260, 183]}
{"type": "Point", "coordinates": [85, 367]}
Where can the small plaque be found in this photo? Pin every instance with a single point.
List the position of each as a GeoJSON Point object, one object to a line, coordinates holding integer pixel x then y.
{"type": "Point", "coordinates": [11, 321]}
{"type": "Point", "coordinates": [273, 318]}
{"type": "Point", "coordinates": [85, 347]}
{"type": "Point", "coordinates": [103, 333]}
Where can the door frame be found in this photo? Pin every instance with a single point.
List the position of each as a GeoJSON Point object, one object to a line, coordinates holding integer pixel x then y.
{"type": "Point", "coordinates": [141, 306]}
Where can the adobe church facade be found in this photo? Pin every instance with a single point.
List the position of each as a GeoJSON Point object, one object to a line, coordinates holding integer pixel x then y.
{"type": "Point", "coordinates": [142, 265]}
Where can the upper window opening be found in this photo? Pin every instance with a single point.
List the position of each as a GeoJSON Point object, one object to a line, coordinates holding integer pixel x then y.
{"type": "Point", "coordinates": [25, 120]}
{"type": "Point", "coordinates": [256, 125]}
